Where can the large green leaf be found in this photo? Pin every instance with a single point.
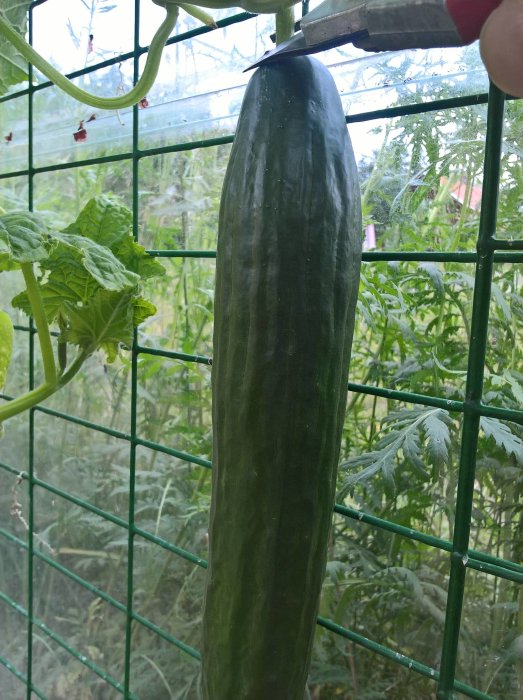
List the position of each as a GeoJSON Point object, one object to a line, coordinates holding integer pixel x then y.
{"type": "Point", "coordinates": [77, 268]}
{"type": "Point", "coordinates": [6, 263]}
{"type": "Point", "coordinates": [109, 224]}
{"type": "Point", "coordinates": [142, 309]}
{"type": "Point", "coordinates": [92, 291]}
{"type": "Point", "coordinates": [97, 260]}
{"type": "Point", "coordinates": [13, 67]}
{"type": "Point", "coordinates": [23, 238]}
{"type": "Point", "coordinates": [103, 220]}
{"type": "Point", "coordinates": [70, 283]}
{"type": "Point", "coordinates": [136, 258]}
{"type": "Point", "coordinates": [107, 321]}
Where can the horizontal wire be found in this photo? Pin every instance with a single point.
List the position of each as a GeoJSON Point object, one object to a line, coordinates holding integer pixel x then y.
{"type": "Point", "coordinates": [185, 456]}
{"type": "Point", "coordinates": [513, 415]}
{"type": "Point", "coordinates": [362, 641]}
{"type": "Point", "coordinates": [337, 629]}
{"type": "Point", "coordinates": [182, 253]}
{"type": "Point", "coordinates": [105, 515]}
{"type": "Point", "coordinates": [398, 658]}
{"type": "Point", "coordinates": [22, 677]}
{"type": "Point", "coordinates": [506, 244]}
{"type": "Point", "coordinates": [145, 153]}
{"type": "Point", "coordinates": [516, 416]}
{"type": "Point", "coordinates": [420, 108]}
{"type": "Point", "coordinates": [406, 396]}
{"type": "Point", "coordinates": [189, 650]}
{"type": "Point", "coordinates": [95, 590]}
{"type": "Point", "coordinates": [475, 559]}
{"type": "Point", "coordinates": [376, 256]}
{"type": "Point", "coordinates": [222, 140]}
{"type": "Point", "coordinates": [184, 553]}
{"type": "Point", "coordinates": [108, 678]}
{"type": "Point", "coordinates": [172, 355]}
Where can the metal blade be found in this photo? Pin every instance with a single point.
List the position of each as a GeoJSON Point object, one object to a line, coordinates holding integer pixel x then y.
{"type": "Point", "coordinates": [373, 25]}
{"type": "Point", "coordinates": [298, 46]}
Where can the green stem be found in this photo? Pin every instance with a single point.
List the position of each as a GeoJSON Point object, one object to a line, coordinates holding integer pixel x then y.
{"type": "Point", "coordinates": [26, 401]}
{"type": "Point", "coordinates": [132, 97]}
{"type": "Point", "coordinates": [284, 24]}
{"type": "Point", "coordinates": [199, 14]}
{"type": "Point", "coordinates": [40, 319]}
{"type": "Point", "coordinates": [44, 391]}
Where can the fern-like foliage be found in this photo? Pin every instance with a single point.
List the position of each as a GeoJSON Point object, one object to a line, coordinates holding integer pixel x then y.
{"type": "Point", "coordinates": [504, 438]}
{"type": "Point", "coordinates": [416, 438]}
{"type": "Point", "coordinates": [407, 436]}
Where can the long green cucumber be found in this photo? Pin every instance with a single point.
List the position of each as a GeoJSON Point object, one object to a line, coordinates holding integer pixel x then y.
{"type": "Point", "coordinates": [288, 260]}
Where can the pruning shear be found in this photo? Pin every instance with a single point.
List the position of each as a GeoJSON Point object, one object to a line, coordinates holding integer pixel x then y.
{"type": "Point", "coordinates": [385, 25]}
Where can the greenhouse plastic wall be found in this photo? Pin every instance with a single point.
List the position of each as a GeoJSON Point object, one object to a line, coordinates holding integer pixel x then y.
{"type": "Point", "coordinates": [38, 157]}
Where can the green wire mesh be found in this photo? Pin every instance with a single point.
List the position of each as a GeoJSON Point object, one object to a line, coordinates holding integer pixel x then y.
{"type": "Point", "coordinates": [462, 557]}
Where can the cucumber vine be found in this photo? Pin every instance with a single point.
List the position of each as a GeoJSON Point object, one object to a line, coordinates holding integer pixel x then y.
{"type": "Point", "coordinates": [147, 78]}
{"type": "Point", "coordinates": [85, 285]}
{"type": "Point", "coordinates": [14, 39]}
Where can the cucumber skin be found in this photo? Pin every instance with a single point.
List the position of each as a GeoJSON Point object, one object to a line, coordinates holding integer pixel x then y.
{"type": "Point", "coordinates": [287, 273]}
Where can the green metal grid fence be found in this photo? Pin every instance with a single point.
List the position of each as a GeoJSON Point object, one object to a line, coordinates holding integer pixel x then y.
{"type": "Point", "coordinates": [490, 250]}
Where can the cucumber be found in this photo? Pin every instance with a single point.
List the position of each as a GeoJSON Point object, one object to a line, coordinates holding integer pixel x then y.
{"type": "Point", "coordinates": [287, 271]}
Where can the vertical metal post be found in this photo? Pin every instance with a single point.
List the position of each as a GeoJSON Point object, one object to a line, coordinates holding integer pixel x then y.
{"type": "Point", "coordinates": [31, 417]}
{"type": "Point", "coordinates": [474, 389]}
{"type": "Point", "coordinates": [134, 384]}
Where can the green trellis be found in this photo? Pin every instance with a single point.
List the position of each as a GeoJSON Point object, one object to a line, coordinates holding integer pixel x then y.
{"type": "Point", "coordinates": [490, 250]}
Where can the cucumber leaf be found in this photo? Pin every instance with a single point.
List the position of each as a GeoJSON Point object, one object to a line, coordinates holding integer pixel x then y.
{"type": "Point", "coordinates": [109, 223]}
{"type": "Point", "coordinates": [98, 261]}
{"type": "Point", "coordinates": [70, 284]}
{"type": "Point", "coordinates": [135, 258]}
{"type": "Point", "coordinates": [107, 321]}
{"type": "Point", "coordinates": [23, 238]}
{"type": "Point", "coordinates": [91, 290]}
{"type": "Point", "coordinates": [76, 267]}
{"type": "Point", "coordinates": [13, 67]}
{"type": "Point", "coordinates": [6, 263]}
{"type": "Point", "coordinates": [103, 220]}
{"type": "Point", "coordinates": [142, 309]}
{"type": "Point", "coordinates": [88, 285]}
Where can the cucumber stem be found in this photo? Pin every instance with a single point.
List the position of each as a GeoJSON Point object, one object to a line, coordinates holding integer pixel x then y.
{"type": "Point", "coordinates": [44, 391]}
{"type": "Point", "coordinates": [200, 14]}
{"type": "Point", "coordinates": [26, 401]}
{"type": "Point", "coordinates": [40, 319]}
{"type": "Point", "coordinates": [284, 24]}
